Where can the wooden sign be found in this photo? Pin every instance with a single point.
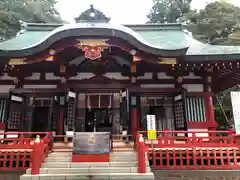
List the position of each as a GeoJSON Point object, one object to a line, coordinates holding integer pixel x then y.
{"type": "Point", "coordinates": [235, 98]}
{"type": "Point", "coordinates": [91, 143]}
{"type": "Point", "coordinates": [151, 127]}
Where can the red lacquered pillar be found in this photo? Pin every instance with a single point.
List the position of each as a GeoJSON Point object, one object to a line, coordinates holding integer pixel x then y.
{"type": "Point", "coordinates": [209, 108]}
{"type": "Point", "coordinates": [134, 114]}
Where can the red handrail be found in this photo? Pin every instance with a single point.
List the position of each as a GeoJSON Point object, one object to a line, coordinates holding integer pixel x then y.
{"type": "Point", "coordinates": [40, 151]}
{"type": "Point", "coordinates": [25, 143]}
{"type": "Point", "coordinates": [171, 139]}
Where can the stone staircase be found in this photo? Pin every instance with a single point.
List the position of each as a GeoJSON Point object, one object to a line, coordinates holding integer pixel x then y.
{"type": "Point", "coordinates": [58, 165]}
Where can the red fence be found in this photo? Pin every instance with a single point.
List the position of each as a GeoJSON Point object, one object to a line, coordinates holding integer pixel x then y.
{"type": "Point", "coordinates": [21, 150]}
{"type": "Point", "coordinates": [194, 150]}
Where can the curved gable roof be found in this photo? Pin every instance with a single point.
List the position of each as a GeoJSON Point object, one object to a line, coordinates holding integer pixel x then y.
{"type": "Point", "coordinates": [161, 39]}
{"type": "Point", "coordinates": [35, 41]}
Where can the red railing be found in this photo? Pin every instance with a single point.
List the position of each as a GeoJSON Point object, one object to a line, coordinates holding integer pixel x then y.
{"type": "Point", "coordinates": [181, 139]}
{"type": "Point", "coordinates": [193, 150]}
{"type": "Point", "coordinates": [21, 150]}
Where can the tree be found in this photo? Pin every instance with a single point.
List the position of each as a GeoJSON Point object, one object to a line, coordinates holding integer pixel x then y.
{"type": "Point", "coordinates": [168, 10]}
{"type": "Point", "coordinates": [34, 11]}
{"type": "Point", "coordinates": [217, 24]}
{"type": "Point", "coordinates": [92, 14]}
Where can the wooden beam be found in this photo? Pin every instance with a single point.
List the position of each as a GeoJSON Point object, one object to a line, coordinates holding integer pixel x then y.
{"type": "Point", "coordinates": [96, 81]}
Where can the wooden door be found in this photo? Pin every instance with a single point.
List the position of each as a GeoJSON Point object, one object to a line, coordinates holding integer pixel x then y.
{"type": "Point", "coordinates": [27, 121]}
{"type": "Point", "coordinates": [124, 108]}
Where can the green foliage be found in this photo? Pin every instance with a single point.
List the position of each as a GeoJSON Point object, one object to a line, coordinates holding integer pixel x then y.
{"type": "Point", "coordinates": [218, 24]}
{"type": "Point", "coordinates": [215, 24]}
{"type": "Point", "coordinates": [168, 10]}
{"type": "Point", "coordinates": [34, 11]}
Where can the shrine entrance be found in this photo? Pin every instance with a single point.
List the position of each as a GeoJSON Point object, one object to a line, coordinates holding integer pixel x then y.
{"type": "Point", "coordinates": [98, 120]}
{"type": "Point", "coordinates": [98, 111]}
{"type": "Point", "coordinates": [40, 122]}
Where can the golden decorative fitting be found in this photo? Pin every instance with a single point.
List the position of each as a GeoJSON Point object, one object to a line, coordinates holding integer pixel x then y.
{"type": "Point", "coordinates": [167, 61]}
{"type": "Point", "coordinates": [136, 59]}
{"type": "Point", "coordinates": [62, 68]}
{"type": "Point", "coordinates": [17, 61]}
{"type": "Point", "coordinates": [49, 58]}
{"type": "Point", "coordinates": [52, 52]}
{"type": "Point", "coordinates": [133, 68]}
{"type": "Point", "coordinates": [133, 52]}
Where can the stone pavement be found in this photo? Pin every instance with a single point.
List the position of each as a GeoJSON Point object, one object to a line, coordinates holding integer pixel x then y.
{"type": "Point", "coordinates": [168, 175]}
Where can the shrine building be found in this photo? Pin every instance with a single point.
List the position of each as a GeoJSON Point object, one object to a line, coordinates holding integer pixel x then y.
{"type": "Point", "coordinates": [96, 76]}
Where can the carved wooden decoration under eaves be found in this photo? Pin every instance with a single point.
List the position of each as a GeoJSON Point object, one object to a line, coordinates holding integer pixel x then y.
{"type": "Point", "coordinates": [92, 48]}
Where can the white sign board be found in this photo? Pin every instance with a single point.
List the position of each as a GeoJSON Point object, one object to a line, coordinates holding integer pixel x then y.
{"type": "Point", "coordinates": [151, 127]}
{"type": "Point", "coordinates": [235, 98]}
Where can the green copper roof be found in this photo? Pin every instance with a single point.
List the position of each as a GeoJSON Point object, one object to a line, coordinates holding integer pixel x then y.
{"type": "Point", "coordinates": [162, 36]}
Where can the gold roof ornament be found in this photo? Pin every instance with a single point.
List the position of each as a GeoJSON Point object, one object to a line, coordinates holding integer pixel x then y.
{"type": "Point", "coordinates": [92, 42]}
{"type": "Point", "coordinates": [167, 61]}
{"type": "Point", "coordinates": [17, 61]}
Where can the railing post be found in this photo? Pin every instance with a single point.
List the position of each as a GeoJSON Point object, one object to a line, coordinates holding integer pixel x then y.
{"type": "Point", "coordinates": [37, 154]}
{"type": "Point", "coordinates": [141, 155]}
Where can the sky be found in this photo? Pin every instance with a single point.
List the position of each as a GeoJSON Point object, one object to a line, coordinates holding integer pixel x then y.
{"type": "Point", "coordinates": [120, 11]}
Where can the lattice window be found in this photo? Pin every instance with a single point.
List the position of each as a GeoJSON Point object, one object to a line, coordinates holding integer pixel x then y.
{"type": "Point", "coordinates": [179, 115]}
{"type": "Point", "coordinates": [54, 119]}
{"type": "Point", "coordinates": [14, 120]}
{"type": "Point", "coordinates": [195, 109]}
{"type": "Point", "coordinates": [3, 110]}
{"type": "Point", "coordinates": [71, 114]}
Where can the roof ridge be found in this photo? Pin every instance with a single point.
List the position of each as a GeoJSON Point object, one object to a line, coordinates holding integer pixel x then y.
{"type": "Point", "coordinates": [38, 26]}
{"type": "Point", "coordinates": [138, 27]}
{"type": "Point", "coordinates": [157, 26]}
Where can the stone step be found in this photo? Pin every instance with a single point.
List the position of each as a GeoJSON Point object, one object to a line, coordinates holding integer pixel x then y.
{"type": "Point", "coordinates": [87, 176]}
{"type": "Point", "coordinates": [124, 153]}
{"type": "Point", "coordinates": [86, 170]}
{"type": "Point", "coordinates": [58, 160]}
{"type": "Point", "coordinates": [123, 159]}
{"type": "Point", "coordinates": [80, 165]}
{"type": "Point", "coordinates": [60, 154]}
